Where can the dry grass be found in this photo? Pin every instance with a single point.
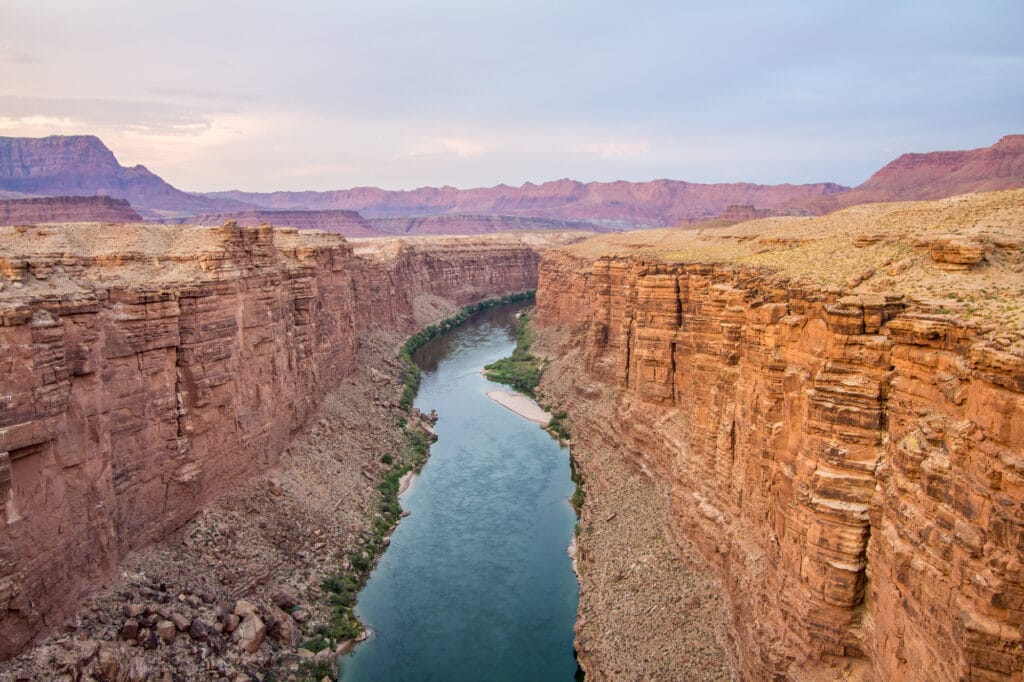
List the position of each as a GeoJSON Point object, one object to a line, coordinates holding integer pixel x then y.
{"type": "Point", "coordinates": [882, 248]}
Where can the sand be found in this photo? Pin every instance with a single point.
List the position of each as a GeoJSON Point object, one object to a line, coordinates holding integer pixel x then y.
{"type": "Point", "coordinates": [405, 482]}
{"type": "Point", "coordinates": [521, 405]}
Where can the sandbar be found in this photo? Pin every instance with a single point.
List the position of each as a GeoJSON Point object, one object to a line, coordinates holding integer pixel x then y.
{"type": "Point", "coordinates": [521, 405]}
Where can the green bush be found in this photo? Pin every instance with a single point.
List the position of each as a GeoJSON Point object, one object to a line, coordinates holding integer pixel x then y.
{"type": "Point", "coordinates": [521, 370]}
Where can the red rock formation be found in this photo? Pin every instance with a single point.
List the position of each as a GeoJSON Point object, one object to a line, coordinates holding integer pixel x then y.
{"type": "Point", "coordinates": [154, 368]}
{"type": "Point", "coordinates": [739, 213]}
{"type": "Point", "coordinates": [347, 223]}
{"type": "Point", "coordinates": [623, 204]}
{"type": "Point", "coordinates": [82, 165]}
{"type": "Point", "coordinates": [475, 224]}
{"type": "Point", "coordinates": [936, 175]}
{"type": "Point", "coordinates": [66, 210]}
{"type": "Point", "coordinates": [850, 471]}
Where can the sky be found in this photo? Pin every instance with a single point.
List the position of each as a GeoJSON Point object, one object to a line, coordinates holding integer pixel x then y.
{"type": "Point", "coordinates": [252, 95]}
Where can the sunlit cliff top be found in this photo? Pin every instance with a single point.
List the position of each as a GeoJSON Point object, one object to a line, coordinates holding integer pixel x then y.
{"type": "Point", "coordinates": [61, 260]}
{"type": "Point", "coordinates": [963, 255]}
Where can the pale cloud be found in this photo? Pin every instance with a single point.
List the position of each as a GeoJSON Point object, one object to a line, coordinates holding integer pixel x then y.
{"type": "Point", "coordinates": [616, 149]}
{"type": "Point", "coordinates": [39, 125]}
{"type": "Point", "coordinates": [10, 55]}
{"type": "Point", "coordinates": [318, 170]}
{"type": "Point", "coordinates": [448, 146]}
{"type": "Point", "coordinates": [472, 94]}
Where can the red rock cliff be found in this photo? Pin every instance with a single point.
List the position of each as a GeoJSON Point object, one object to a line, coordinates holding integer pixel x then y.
{"type": "Point", "coordinates": [66, 210]}
{"type": "Point", "coordinates": [849, 465]}
{"type": "Point", "coordinates": [933, 175]}
{"type": "Point", "coordinates": [146, 370]}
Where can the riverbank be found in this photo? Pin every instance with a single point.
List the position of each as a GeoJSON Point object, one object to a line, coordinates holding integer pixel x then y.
{"type": "Point", "coordinates": [644, 613]}
{"type": "Point", "coordinates": [522, 405]}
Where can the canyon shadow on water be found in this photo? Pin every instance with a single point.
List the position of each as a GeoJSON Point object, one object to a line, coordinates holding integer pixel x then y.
{"type": "Point", "coordinates": [477, 583]}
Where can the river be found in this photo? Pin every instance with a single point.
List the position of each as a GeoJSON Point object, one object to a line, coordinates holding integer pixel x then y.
{"type": "Point", "coordinates": [476, 584]}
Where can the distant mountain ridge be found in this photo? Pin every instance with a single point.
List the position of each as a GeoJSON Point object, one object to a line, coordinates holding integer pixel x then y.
{"type": "Point", "coordinates": [83, 165]}
{"type": "Point", "coordinates": [619, 204]}
{"type": "Point", "coordinates": [934, 175]}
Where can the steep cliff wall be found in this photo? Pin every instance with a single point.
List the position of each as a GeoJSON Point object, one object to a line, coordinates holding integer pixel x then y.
{"type": "Point", "coordinates": [847, 459]}
{"type": "Point", "coordinates": [146, 370]}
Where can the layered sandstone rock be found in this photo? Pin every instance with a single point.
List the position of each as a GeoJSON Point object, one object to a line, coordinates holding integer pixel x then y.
{"type": "Point", "coordinates": [848, 460]}
{"type": "Point", "coordinates": [148, 370]}
{"type": "Point", "coordinates": [740, 212]}
{"type": "Point", "coordinates": [66, 210]}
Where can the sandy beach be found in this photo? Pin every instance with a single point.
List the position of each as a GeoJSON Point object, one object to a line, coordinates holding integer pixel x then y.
{"type": "Point", "coordinates": [405, 482]}
{"type": "Point", "coordinates": [521, 405]}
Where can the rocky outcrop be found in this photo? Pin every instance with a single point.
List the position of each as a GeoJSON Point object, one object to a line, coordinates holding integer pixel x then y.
{"type": "Point", "coordinates": [475, 224]}
{"type": "Point", "coordinates": [934, 175]}
{"type": "Point", "coordinates": [347, 223]}
{"type": "Point", "coordinates": [850, 466]}
{"type": "Point", "coordinates": [738, 213]}
{"type": "Point", "coordinates": [612, 204]}
{"type": "Point", "coordinates": [148, 370]}
{"type": "Point", "coordinates": [82, 165]}
{"type": "Point", "coordinates": [66, 210]}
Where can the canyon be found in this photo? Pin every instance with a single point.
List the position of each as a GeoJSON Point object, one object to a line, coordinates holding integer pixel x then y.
{"type": "Point", "coordinates": [354, 225]}
{"type": "Point", "coordinates": [150, 371]}
{"type": "Point", "coordinates": [800, 437]}
{"type": "Point", "coordinates": [825, 413]}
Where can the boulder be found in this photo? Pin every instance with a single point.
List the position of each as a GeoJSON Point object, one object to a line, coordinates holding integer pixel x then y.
{"type": "Point", "coordinates": [167, 631]}
{"type": "Point", "coordinates": [180, 621]}
{"type": "Point", "coordinates": [250, 633]}
{"type": "Point", "coordinates": [130, 629]}
{"type": "Point", "coordinates": [285, 597]}
{"type": "Point", "coordinates": [283, 628]}
{"type": "Point", "coordinates": [244, 608]}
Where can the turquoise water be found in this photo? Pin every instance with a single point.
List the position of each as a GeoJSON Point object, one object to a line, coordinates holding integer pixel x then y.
{"type": "Point", "coordinates": [476, 584]}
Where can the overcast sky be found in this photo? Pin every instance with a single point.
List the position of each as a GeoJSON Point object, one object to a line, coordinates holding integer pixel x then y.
{"type": "Point", "coordinates": [402, 93]}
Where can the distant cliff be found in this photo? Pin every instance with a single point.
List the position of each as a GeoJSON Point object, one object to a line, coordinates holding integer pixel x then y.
{"type": "Point", "coordinates": [616, 204]}
{"type": "Point", "coordinates": [475, 224]}
{"type": "Point", "coordinates": [66, 210]}
{"type": "Point", "coordinates": [347, 223]}
{"type": "Point", "coordinates": [936, 175]}
{"type": "Point", "coordinates": [82, 165]}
